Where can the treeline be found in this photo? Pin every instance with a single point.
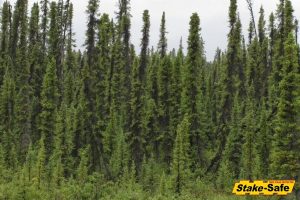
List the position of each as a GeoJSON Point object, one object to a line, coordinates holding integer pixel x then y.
{"type": "Point", "coordinates": [113, 123]}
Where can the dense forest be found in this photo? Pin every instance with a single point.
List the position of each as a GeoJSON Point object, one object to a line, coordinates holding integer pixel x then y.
{"type": "Point", "coordinates": [121, 122]}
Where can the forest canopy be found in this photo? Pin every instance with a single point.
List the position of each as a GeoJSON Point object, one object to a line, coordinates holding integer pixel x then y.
{"type": "Point", "coordinates": [116, 121]}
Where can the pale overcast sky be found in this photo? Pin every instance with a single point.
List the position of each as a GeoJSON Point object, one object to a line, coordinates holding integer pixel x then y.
{"type": "Point", "coordinates": [213, 15]}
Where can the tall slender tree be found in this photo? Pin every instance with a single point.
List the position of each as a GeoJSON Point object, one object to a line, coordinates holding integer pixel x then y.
{"type": "Point", "coordinates": [5, 33]}
{"type": "Point", "coordinates": [49, 103]}
{"type": "Point", "coordinates": [7, 110]}
{"type": "Point", "coordinates": [162, 44]}
{"type": "Point", "coordinates": [164, 106]}
{"type": "Point", "coordinates": [181, 162]}
{"type": "Point", "coordinates": [228, 82]}
{"type": "Point", "coordinates": [92, 11]}
{"type": "Point", "coordinates": [44, 24]}
{"type": "Point", "coordinates": [176, 89]}
{"type": "Point", "coordinates": [191, 88]}
{"type": "Point", "coordinates": [124, 30]}
{"type": "Point", "coordinates": [53, 33]}
{"type": "Point", "coordinates": [144, 45]}
{"type": "Point", "coordinates": [136, 136]}
{"type": "Point", "coordinates": [285, 161]}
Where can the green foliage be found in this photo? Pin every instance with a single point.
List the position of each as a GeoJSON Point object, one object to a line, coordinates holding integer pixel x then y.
{"type": "Point", "coordinates": [248, 148]}
{"type": "Point", "coordinates": [53, 32]}
{"type": "Point", "coordinates": [263, 146]}
{"type": "Point", "coordinates": [144, 45]}
{"type": "Point", "coordinates": [5, 33]}
{"type": "Point", "coordinates": [192, 90]}
{"type": "Point", "coordinates": [49, 104]}
{"type": "Point", "coordinates": [181, 162]}
{"type": "Point", "coordinates": [164, 106]}
{"type": "Point", "coordinates": [162, 44]}
{"type": "Point", "coordinates": [7, 110]}
{"type": "Point", "coordinates": [285, 143]}
{"type": "Point", "coordinates": [231, 160]}
{"type": "Point", "coordinates": [40, 164]}
{"type": "Point", "coordinates": [114, 123]}
{"type": "Point", "coordinates": [135, 137]}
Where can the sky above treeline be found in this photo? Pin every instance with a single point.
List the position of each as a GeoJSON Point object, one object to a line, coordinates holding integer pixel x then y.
{"type": "Point", "coordinates": [213, 15]}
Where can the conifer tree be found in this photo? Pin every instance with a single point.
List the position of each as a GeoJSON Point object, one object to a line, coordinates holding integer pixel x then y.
{"type": "Point", "coordinates": [40, 163]}
{"type": "Point", "coordinates": [120, 153]}
{"type": "Point", "coordinates": [69, 141]}
{"type": "Point", "coordinates": [240, 65]}
{"type": "Point", "coordinates": [213, 93]}
{"type": "Point", "coordinates": [112, 129]}
{"type": "Point", "coordinates": [110, 70]}
{"type": "Point", "coordinates": [152, 77]}
{"type": "Point", "coordinates": [272, 61]}
{"type": "Point", "coordinates": [54, 33]}
{"type": "Point", "coordinates": [89, 81]}
{"type": "Point", "coordinates": [24, 106]}
{"type": "Point", "coordinates": [264, 67]}
{"type": "Point", "coordinates": [261, 25]}
{"type": "Point", "coordinates": [80, 123]}
{"type": "Point", "coordinates": [70, 70]}
{"type": "Point", "coordinates": [254, 73]}
{"type": "Point", "coordinates": [34, 55]}
{"type": "Point", "coordinates": [19, 52]}
{"type": "Point", "coordinates": [251, 33]}
{"type": "Point", "coordinates": [24, 110]}
{"type": "Point", "coordinates": [272, 33]}
{"type": "Point", "coordinates": [117, 75]}
{"type": "Point", "coordinates": [7, 110]}
{"type": "Point", "coordinates": [286, 142]}
{"type": "Point", "coordinates": [296, 34]}
{"type": "Point", "coordinates": [84, 126]}
{"type": "Point", "coordinates": [231, 159]}
{"type": "Point", "coordinates": [124, 23]}
{"type": "Point", "coordinates": [162, 185]}
{"type": "Point", "coordinates": [231, 63]}
{"type": "Point", "coordinates": [136, 136]}
{"type": "Point", "coordinates": [37, 68]}
{"type": "Point", "coordinates": [65, 14]}
{"type": "Point", "coordinates": [248, 150]}
{"type": "Point", "coordinates": [228, 81]}
{"type": "Point", "coordinates": [175, 89]}
{"type": "Point", "coordinates": [102, 85]}
{"type": "Point", "coordinates": [83, 167]}
{"type": "Point", "coordinates": [144, 45]}
{"type": "Point", "coordinates": [289, 25]}
{"type": "Point", "coordinates": [278, 51]}
{"type": "Point", "coordinates": [49, 103]}
{"type": "Point", "coordinates": [162, 45]}
{"type": "Point", "coordinates": [5, 28]}
{"type": "Point", "coordinates": [181, 164]}
{"type": "Point", "coordinates": [5, 33]}
{"type": "Point", "coordinates": [70, 85]}
{"type": "Point", "coordinates": [149, 174]}
{"type": "Point", "coordinates": [164, 106]}
{"type": "Point", "coordinates": [57, 171]}
{"type": "Point", "coordinates": [44, 23]}
{"type": "Point", "coordinates": [191, 87]}
{"type": "Point", "coordinates": [262, 145]}
{"type": "Point", "coordinates": [29, 163]}
{"type": "Point", "coordinates": [92, 10]}
{"type": "Point", "coordinates": [127, 56]}
{"type": "Point", "coordinates": [151, 123]}
{"type": "Point", "coordinates": [18, 15]}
